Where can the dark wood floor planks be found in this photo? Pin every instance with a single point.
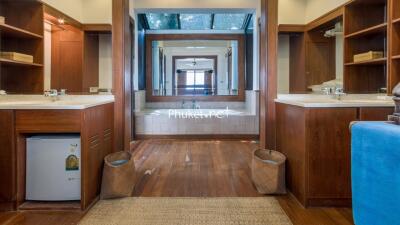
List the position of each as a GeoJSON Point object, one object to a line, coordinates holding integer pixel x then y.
{"type": "Point", "coordinates": [191, 168]}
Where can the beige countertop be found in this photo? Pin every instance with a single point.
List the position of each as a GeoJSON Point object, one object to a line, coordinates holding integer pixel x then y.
{"type": "Point", "coordinates": [326, 101]}
{"type": "Point", "coordinates": [62, 102]}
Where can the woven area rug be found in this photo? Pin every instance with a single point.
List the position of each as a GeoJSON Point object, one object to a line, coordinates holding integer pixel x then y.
{"type": "Point", "coordinates": [187, 211]}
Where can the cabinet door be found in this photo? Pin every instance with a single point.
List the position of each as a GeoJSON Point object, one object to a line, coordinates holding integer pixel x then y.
{"type": "Point", "coordinates": [328, 144]}
{"type": "Point", "coordinates": [7, 160]}
{"type": "Point", "coordinates": [375, 113]}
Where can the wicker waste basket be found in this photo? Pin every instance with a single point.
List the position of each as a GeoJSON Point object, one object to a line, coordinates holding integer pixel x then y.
{"type": "Point", "coordinates": [268, 171]}
{"type": "Point", "coordinates": [118, 176]}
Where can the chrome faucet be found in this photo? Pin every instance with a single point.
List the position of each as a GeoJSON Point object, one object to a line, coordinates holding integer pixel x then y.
{"type": "Point", "coordinates": [183, 104]}
{"type": "Point", "coordinates": [327, 90]}
{"type": "Point", "coordinates": [339, 93]}
{"type": "Point", "coordinates": [195, 105]}
{"type": "Point", "coordinates": [54, 94]}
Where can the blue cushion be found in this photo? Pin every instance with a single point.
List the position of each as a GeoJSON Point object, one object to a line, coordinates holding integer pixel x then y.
{"type": "Point", "coordinates": [375, 158]}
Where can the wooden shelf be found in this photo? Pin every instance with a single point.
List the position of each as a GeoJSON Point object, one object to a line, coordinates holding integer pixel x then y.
{"type": "Point", "coordinates": [381, 28]}
{"type": "Point", "coordinates": [396, 21]}
{"type": "Point", "coordinates": [17, 63]}
{"type": "Point", "coordinates": [381, 61]}
{"type": "Point", "coordinates": [11, 31]}
{"type": "Point", "coordinates": [396, 57]}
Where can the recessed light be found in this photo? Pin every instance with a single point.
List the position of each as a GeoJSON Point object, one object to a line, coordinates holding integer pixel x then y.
{"type": "Point", "coordinates": [61, 21]}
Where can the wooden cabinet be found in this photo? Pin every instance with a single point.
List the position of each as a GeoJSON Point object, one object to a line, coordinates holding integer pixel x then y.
{"type": "Point", "coordinates": [316, 142]}
{"type": "Point", "coordinates": [6, 160]}
{"type": "Point", "coordinates": [95, 125]}
{"type": "Point", "coordinates": [22, 32]}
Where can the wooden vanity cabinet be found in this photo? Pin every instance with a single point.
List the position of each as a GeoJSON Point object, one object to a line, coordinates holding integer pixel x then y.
{"type": "Point", "coordinates": [316, 142]}
{"type": "Point", "coordinates": [6, 160]}
{"type": "Point", "coordinates": [95, 126]}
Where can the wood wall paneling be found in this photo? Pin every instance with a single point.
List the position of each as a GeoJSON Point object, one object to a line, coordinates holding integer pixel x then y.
{"type": "Point", "coordinates": [268, 72]}
{"type": "Point", "coordinates": [121, 41]}
{"type": "Point", "coordinates": [320, 58]}
{"type": "Point", "coordinates": [67, 58]}
{"type": "Point", "coordinates": [297, 63]}
{"type": "Point", "coordinates": [90, 77]}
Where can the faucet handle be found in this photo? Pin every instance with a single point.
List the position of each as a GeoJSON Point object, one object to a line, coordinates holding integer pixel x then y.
{"type": "Point", "coordinates": [63, 91]}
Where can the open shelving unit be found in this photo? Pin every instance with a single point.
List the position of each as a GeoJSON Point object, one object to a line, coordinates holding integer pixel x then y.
{"type": "Point", "coordinates": [394, 44]}
{"type": "Point", "coordinates": [22, 32]}
{"type": "Point", "coordinates": [366, 29]}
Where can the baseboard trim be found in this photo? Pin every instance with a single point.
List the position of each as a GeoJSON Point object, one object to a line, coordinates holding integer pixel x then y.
{"type": "Point", "coordinates": [329, 202]}
{"type": "Point", "coordinates": [200, 136]}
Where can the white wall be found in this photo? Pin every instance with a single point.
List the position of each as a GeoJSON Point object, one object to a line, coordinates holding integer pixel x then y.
{"type": "Point", "coordinates": [304, 11]}
{"type": "Point", "coordinates": [292, 11]}
{"type": "Point", "coordinates": [283, 64]}
{"type": "Point", "coordinates": [317, 8]}
{"type": "Point", "coordinates": [97, 11]}
{"type": "Point", "coordinates": [105, 61]}
{"type": "Point", "coordinates": [72, 8]}
{"type": "Point", "coordinates": [85, 11]}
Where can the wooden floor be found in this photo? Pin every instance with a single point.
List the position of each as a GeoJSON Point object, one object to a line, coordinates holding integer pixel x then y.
{"type": "Point", "coordinates": [194, 169]}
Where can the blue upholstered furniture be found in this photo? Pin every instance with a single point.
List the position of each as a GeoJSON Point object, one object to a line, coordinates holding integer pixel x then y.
{"type": "Point", "coordinates": [375, 159]}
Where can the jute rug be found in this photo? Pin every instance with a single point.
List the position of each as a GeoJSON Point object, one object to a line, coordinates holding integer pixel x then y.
{"type": "Point", "coordinates": [187, 211]}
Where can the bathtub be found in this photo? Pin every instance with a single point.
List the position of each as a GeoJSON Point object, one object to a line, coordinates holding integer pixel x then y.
{"type": "Point", "coordinates": [196, 122]}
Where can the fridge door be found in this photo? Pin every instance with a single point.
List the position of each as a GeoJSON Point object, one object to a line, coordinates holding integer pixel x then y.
{"type": "Point", "coordinates": [53, 168]}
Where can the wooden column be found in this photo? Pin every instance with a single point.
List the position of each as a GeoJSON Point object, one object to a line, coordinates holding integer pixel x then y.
{"type": "Point", "coordinates": [121, 38]}
{"type": "Point", "coordinates": [268, 72]}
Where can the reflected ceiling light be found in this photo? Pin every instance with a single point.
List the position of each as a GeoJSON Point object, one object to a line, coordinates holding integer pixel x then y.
{"type": "Point", "coordinates": [61, 21]}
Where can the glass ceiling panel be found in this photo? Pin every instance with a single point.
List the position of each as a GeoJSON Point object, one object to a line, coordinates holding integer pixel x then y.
{"type": "Point", "coordinates": [195, 21]}
{"type": "Point", "coordinates": [251, 23]}
{"type": "Point", "coordinates": [162, 21]}
{"type": "Point", "coordinates": [229, 21]}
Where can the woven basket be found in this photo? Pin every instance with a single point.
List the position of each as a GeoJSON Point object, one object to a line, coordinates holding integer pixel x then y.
{"type": "Point", "coordinates": [118, 176]}
{"type": "Point", "coordinates": [268, 171]}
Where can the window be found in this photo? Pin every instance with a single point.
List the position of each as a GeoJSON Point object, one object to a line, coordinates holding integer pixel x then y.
{"type": "Point", "coordinates": [195, 21]}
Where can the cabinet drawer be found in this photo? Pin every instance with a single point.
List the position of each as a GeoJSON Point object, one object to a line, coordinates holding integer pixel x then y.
{"type": "Point", "coordinates": [48, 120]}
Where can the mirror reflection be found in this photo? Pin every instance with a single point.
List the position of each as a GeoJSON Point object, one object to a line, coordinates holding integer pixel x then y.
{"type": "Point", "coordinates": [195, 67]}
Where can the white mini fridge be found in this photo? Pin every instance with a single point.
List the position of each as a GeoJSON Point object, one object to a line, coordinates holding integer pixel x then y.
{"type": "Point", "coordinates": [53, 168]}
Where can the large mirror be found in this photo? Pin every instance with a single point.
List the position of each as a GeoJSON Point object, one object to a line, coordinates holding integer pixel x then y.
{"type": "Point", "coordinates": [193, 68]}
{"type": "Point", "coordinates": [77, 56]}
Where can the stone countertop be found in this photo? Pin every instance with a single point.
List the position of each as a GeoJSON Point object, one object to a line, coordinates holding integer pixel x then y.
{"type": "Point", "coordinates": [63, 102]}
{"type": "Point", "coordinates": [326, 101]}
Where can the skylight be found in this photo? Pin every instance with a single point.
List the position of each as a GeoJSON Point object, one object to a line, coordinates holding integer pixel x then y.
{"type": "Point", "coordinates": [229, 21]}
{"type": "Point", "coordinates": [196, 21]}
{"type": "Point", "coordinates": [162, 21]}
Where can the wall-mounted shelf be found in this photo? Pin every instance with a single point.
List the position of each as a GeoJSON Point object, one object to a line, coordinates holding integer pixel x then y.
{"type": "Point", "coordinates": [396, 57]}
{"type": "Point", "coordinates": [396, 21]}
{"type": "Point", "coordinates": [381, 28]}
{"type": "Point", "coordinates": [22, 32]}
{"type": "Point", "coordinates": [366, 29]}
{"type": "Point", "coordinates": [381, 61]}
{"type": "Point", "coordinates": [15, 32]}
{"type": "Point", "coordinates": [18, 63]}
